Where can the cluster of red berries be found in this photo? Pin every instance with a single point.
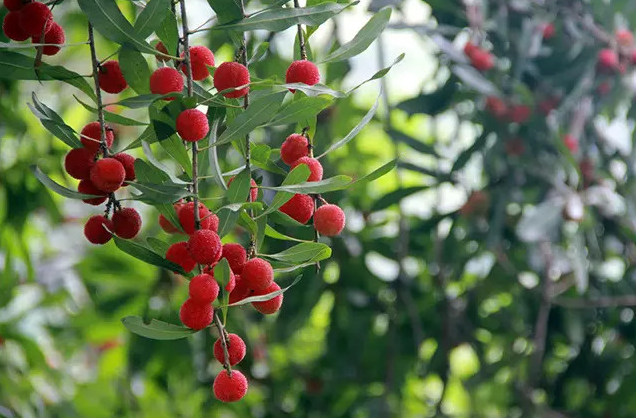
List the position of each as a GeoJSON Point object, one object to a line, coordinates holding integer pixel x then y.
{"type": "Point", "coordinates": [479, 58]}
{"type": "Point", "coordinates": [32, 19]}
{"type": "Point", "coordinates": [102, 177]}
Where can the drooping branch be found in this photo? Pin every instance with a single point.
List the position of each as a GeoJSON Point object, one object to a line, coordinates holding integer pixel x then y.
{"type": "Point", "coordinates": [98, 92]}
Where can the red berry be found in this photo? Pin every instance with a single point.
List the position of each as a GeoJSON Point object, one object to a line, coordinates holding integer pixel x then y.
{"type": "Point", "coordinates": [213, 224]}
{"type": "Point", "coordinates": [161, 48]}
{"type": "Point", "coordinates": [515, 147]}
{"type": "Point", "coordinates": [230, 75]}
{"type": "Point", "coordinates": [236, 255]}
{"type": "Point", "coordinates": [300, 208]}
{"type": "Point", "coordinates": [257, 274]}
{"type": "Point", "coordinates": [295, 146]}
{"type": "Point", "coordinates": [178, 254]}
{"type": "Point", "coordinates": [11, 27]}
{"type": "Point", "coordinates": [94, 229]}
{"type": "Point", "coordinates": [167, 226]}
{"type": "Point", "coordinates": [85, 186]}
{"type": "Point", "coordinates": [235, 349]}
{"type": "Point", "coordinates": [302, 71]}
{"type": "Point", "coordinates": [482, 60]}
{"type": "Point", "coordinates": [186, 217]}
{"type": "Point", "coordinates": [192, 125]}
{"type": "Point", "coordinates": [470, 48]}
{"type": "Point", "coordinates": [329, 220]}
{"type": "Point", "coordinates": [91, 135]}
{"type": "Point", "coordinates": [231, 283]}
{"type": "Point", "coordinates": [519, 113]}
{"type": "Point", "coordinates": [269, 306]}
{"type": "Point", "coordinates": [240, 291]}
{"type": "Point", "coordinates": [78, 163]}
{"type": "Point", "coordinates": [196, 315]}
{"type": "Point", "coordinates": [608, 60]}
{"type": "Point", "coordinates": [253, 190]}
{"type": "Point", "coordinates": [314, 165]}
{"type": "Point", "coordinates": [548, 31]}
{"type": "Point", "coordinates": [624, 38]}
{"type": "Point", "coordinates": [166, 80]}
{"type": "Point", "coordinates": [111, 79]}
{"type": "Point", "coordinates": [203, 288]}
{"type": "Point", "coordinates": [54, 36]}
{"type": "Point", "coordinates": [496, 106]}
{"type": "Point", "coordinates": [126, 223]}
{"type": "Point", "coordinates": [572, 143]}
{"type": "Point", "coordinates": [35, 19]}
{"type": "Point", "coordinates": [547, 105]}
{"type": "Point", "coordinates": [128, 161]}
{"type": "Point", "coordinates": [230, 388]}
{"type": "Point", "coordinates": [205, 246]}
{"type": "Point", "coordinates": [201, 57]}
{"type": "Point", "coordinates": [108, 174]}
{"type": "Point", "coordinates": [15, 5]}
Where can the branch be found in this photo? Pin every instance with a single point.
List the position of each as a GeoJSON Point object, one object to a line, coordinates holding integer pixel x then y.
{"type": "Point", "coordinates": [98, 92]}
{"type": "Point", "coordinates": [600, 302]}
{"type": "Point", "coordinates": [301, 37]}
{"type": "Point", "coordinates": [223, 337]}
{"type": "Point", "coordinates": [541, 323]}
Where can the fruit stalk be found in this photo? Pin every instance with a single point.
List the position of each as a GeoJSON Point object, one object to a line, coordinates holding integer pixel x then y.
{"type": "Point", "coordinates": [98, 92]}
{"type": "Point", "coordinates": [301, 37]}
{"type": "Point", "coordinates": [223, 337]}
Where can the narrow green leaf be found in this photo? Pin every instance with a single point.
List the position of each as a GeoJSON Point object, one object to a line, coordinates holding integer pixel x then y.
{"type": "Point", "coordinates": [226, 10]}
{"type": "Point", "coordinates": [227, 220]}
{"type": "Point", "coordinates": [240, 187]}
{"type": "Point", "coordinates": [466, 155]}
{"type": "Point", "coordinates": [315, 90]}
{"type": "Point", "coordinates": [159, 165]}
{"type": "Point", "coordinates": [135, 69]}
{"type": "Point", "coordinates": [260, 52]}
{"type": "Point", "coordinates": [272, 233]}
{"type": "Point", "coordinates": [297, 175]}
{"type": "Point", "coordinates": [160, 193]}
{"type": "Point", "coordinates": [261, 225]}
{"type": "Point", "coordinates": [379, 74]}
{"type": "Point", "coordinates": [54, 123]}
{"type": "Point", "coordinates": [156, 330]}
{"type": "Point", "coordinates": [141, 101]}
{"type": "Point", "coordinates": [248, 223]}
{"type": "Point", "coordinates": [475, 80]}
{"type": "Point", "coordinates": [168, 33]}
{"type": "Point", "coordinates": [300, 110]}
{"type": "Point", "coordinates": [235, 207]}
{"type": "Point", "coordinates": [175, 148]}
{"type": "Point", "coordinates": [416, 144]}
{"type": "Point", "coordinates": [306, 252]}
{"type": "Point", "coordinates": [222, 272]}
{"type": "Point", "coordinates": [112, 117]}
{"type": "Point", "coordinates": [146, 255]}
{"type": "Point", "coordinates": [215, 117]}
{"type": "Point", "coordinates": [264, 298]}
{"type": "Point", "coordinates": [147, 135]}
{"type": "Point", "coordinates": [151, 17]}
{"type": "Point", "coordinates": [376, 174]}
{"type": "Point", "coordinates": [281, 218]}
{"type": "Point", "coordinates": [395, 197]}
{"type": "Point", "coordinates": [58, 188]}
{"type": "Point", "coordinates": [311, 187]}
{"type": "Point", "coordinates": [157, 245]}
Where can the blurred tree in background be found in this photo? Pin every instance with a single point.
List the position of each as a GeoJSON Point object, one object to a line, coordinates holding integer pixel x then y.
{"type": "Point", "coordinates": [490, 275]}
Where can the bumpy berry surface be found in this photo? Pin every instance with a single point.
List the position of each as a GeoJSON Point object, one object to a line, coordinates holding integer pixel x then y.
{"type": "Point", "coordinates": [192, 125]}
{"type": "Point", "coordinates": [302, 71]}
{"type": "Point", "coordinates": [231, 283]}
{"type": "Point", "coordinates": [201, 57]}
{"type": "Point", "coordinates": [294, 147]}
{"type": "Point", "coordinates": [213, 224]}
{"type": "Point", "coordinates": [85, 186]}
{"type": "Point", "coordinates": [230, 388]}
{"type": "Point", "coordinates": [78, 163]}
{"type": "Point", "coordinates": [236, 256]}
{"type": "Point", "coordinates": [15, 5]}
{"type": "Point", "coordinates": [204, 246]}
{"type": "Point", "coordinates": [111, 79]}
{"type": "Point", "coordinates": [186, 217]}
{"type": "Point", "coordinates": [166, 80]}
{"type": "Point", "coordinates": [300, 208]}
{"type": "Point", "coordinates": [196, 315]}
{"type": "Point", "coordinates": [12, 29]}
{"type": "Point", "coordinates": [329, 220]}
{"type": "Point", "coordinates": [257, 274]}
{"type": "Point", "coordinates": [93, 130]}
{"type": "Point", "coordinates": [482, 60]}
{"type": "Point", "coordinates": [203, 289]}
{"type": "Point", "coordinates": [161, 48]}
{"type": "Point", "coordinates": [269, 306]}
{"type": "Point", "coordinates": [128, 161]}
{"type": "Point", "coordinates": [241, 291]}
{"type": "Point", "coordinates": [108, 174]}
{"type": "Point", "coordinates": [35, 18]}
{"type": "Point", "coordinates": [94, 229]}
{"type": "Point", "coordinates": [253, 190]}
{"type": "Point", "coordinates": [178, 253]}
{"type": "Point", "coordinates": [229, 75]}
{"type": "Point", "coordinates": [235, 349]}
{"type": "Point", "coordinates": [126, 223]}
{"type": "Point", "coordinates": [54, 36]}
{"type": "Point", "coordinates": [314, 165]}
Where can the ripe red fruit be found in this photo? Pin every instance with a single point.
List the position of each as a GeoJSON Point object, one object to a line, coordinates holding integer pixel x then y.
{"type": "Point", "coordinates": [205, 246]}
{"type": "Point", "coordinates": [624, 37]}
{"type": "Point", "coordinates": [236, 255]}
{"type": "Point", "coordinates": [12, 29]}
{"type": "Point", "coordinates": [253, 190]}
{"type": "Point", "coordinates": [93, 130]}
{"type": "Point", "coordinates": [192, 125]}
{"type": "Point", "coordinates": [329, 220]}
{"type": "Point", "coordinates": [496, 106]}
{"type": "Point", "coordinates": [78, 163]}
{"type": "Point", "coordinates": [203, 288]}
{"type": "Point", "coordinates": [548, 31]}
{"type": "Point", "coordinates": [126, 223]}
{"type": "Point", "coordinates": [213, 224]}
{"type": "Point", "coordinates": [302, 71]}
{"type": "Point", "coordinates": [230, 388]}
{"type": "Point", "coordinates": [608, 60]}
{"type": "Point", "coordinates": [35, 19]}
{"type": "Point", "coordinates": [478, 203]}
{"type": "Point", "coordinates": [470, 48]}
{"type": "Point", "coordinates": [128, 161]}
{"type": "Point", "coordinates": [240, 291]}
{"type": "Point", "coordinates": [295, 146]}
{"type": "Point", "coordinates": [231, 283]}
{"type": "Point", "coordinates": [235, 349]}
{"type": "Point", "coordinates": [269, 306]}
{"type": "Point", "coordinates": [257, 274]}
{"type": "Point", "coordinates": [546, 106]}
{"type": "Point", "coordinates": [519, 113]}
{"type": "Point", "coordinates": [300, 208]}
{"type": "Point", "coordinates": [196, 315]}
{"type": "Point", "coordinates": [515, 147]}
{"type": "Point", "coordinates": [161, 48]}
{"type": "Point", "coordinates": [54, 36]}
{"type": "Point", "coordinates": [108, 174]}
{"type": "Point", "coordinates": [230, 75]}
{"type": "Point", "coordinates": [314, 165]}
{"type": "Point", "coordinates": [166, 80]}
{"type": "Point", "coordinates": [94, 230]}
{"type": "Point", "coordinates": [186, 217]}
{"type": "Point", "coordinates": [572, 143]}
{"type": "Point", "coordinates": [178, 254]}
{"type": "Point", "coordinates": [15, 5]}
{"type": "Point", "coordinates": [111, 79]}
{"type": "Point", "coordinates": [482, 60]}
{"type": "Point", "coordinates": [201, 57]}
{"type": "Point", "coordinates": [85, 186]}
{"type": "Point", "coordinates": [166, 225]}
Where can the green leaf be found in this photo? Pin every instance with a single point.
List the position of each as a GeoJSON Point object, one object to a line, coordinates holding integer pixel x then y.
{"type": "Point", "coordinates": [58, 188]}
{"type": "Point", "coordinates": [222, 272]}
{"type": "Point", "coordinates": [146, 255]}
{"type": "Point", "coordinates": [465, 155]}
{"type": "Point", "coordinates": [474, 79]}
{"type": "Point", "coordinates": [315, 90]}
{"type": "Point", "coordinates": [395, 197]}
{"type": "Point", "coordinates": [281, 218]}
{"type": "Point", "coordinates": [227, 10]}
{"type": "Point", "coordinates": [227, 220]}
{"type": "Point", "coordinates": [151, 17]}
{"type": "Point", "coordinates": [376, 174]}
{"type": "Point", "coordinates": [112, 117]}
{"type": "Point", "coordinates": [432, 103]}
{"type": "Point", "coordinates": [298, 175]}
{"type": "Point", "coordinates": [160, 193]}
{"type": "Point", "coordinates": [215, 117]}
{"type": "Point", "coordinates": [175, 148]}
{"type": "Point", "coordinates": [157, 245]}
{"type": "Point", "coordinates": [168, 33]}
{"type": "Point", "coordinates": [147, 135]}
{"type": "Point", "coordinates": [240, 187]}
{"type": "Point", "coordinates": [248, 223]}
{"type": "Point", "coordinates": [134, 68]}
{"type": "Point", "coordinates": [312, 187]}
{"type": "Point", "coordinates": [156, 330]}
{"type": "Point", "coordinates": [277, 20]}
{"type": "Point", "coordinates": [380, 73]}
{"type": "Point", "coordinates": [264, 298]}
{"type": "Point", "coordinates": [106, 17]}
{"type": "Point", "coordinates": [306, 252]}
{"type": "Point", "coordinates": [159, 165]}
{"type": "Point", "coordinates": [260, 52]}
{"type": "Point", "coordinates": [416, 144]}
{"type": "Point", "coordinates": [272, 233]}
{"type": "Point", "coordinates": [54, 123]}
{"type": "Point", "coordinates": [369, 32]}
{"type": "Point", "coordinates": [300, 110]}
{"type": "Point", "coordinates": [141, 101]}
{"type": "Point", "coordinates": [245, 205]}
{"type": "Point", "coordinates": [261, 225]}
{"type": "Point", "coordinates": [355, 130]}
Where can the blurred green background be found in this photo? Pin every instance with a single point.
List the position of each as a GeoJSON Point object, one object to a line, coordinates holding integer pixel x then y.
{"type": "Point", "coordinates": [424, 310]}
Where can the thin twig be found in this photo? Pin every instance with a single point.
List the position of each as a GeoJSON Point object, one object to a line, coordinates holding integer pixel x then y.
{"type": "Point", "coordinates": [98, 92]}
{"type": "Point", "coordinates": [224, 341]}
{"type": "Point", "coordinates": [301, 37]}
{"type": "Point", "coordinates": [541, 323]}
